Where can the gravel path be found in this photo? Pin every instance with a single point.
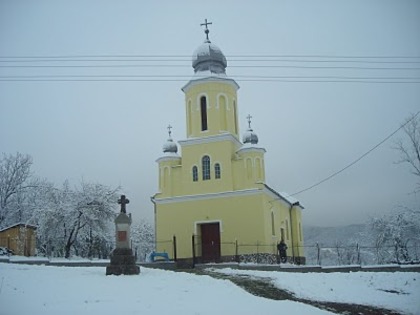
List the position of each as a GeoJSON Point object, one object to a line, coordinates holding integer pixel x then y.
{"type": "Point", "coordinates": [264, 288]}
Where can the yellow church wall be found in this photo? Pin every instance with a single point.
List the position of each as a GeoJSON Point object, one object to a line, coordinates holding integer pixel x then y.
{"type": "Point", "coordinates": [219, 152]}
{"type": "Point", "coordinates": [248, 170]}
{"type": "Point", "coordinates": [290, 222]}
{"type": "Point", "coordinates": [297, 231]}
{"type": "Point", "coordinates": [169, 176]}
{"type": "Point", "coordinates": [182, 219]}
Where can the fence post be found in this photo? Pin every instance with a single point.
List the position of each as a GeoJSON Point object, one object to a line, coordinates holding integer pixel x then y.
{"type": "Point", "coordinates": [318, 255]}
{"type": "Point", "coordinates": [174, 245]}
{"type": "Point", "coordinates": [193, 245]}
{"type": "Point", "coordinates": [358, 254]}
{"type": "Point", "coordinates": [236, 251]}
{"type": "Point", "coordinates": [258, 253]}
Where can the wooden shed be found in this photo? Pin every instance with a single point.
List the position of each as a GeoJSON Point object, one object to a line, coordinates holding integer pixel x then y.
{"type": "Point", "coordinates": [20, 238]}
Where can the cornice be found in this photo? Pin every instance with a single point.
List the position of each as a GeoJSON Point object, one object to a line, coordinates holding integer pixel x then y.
{"type": "Point", "coordinates": [203, 80]}
{"type": "Point", "coordinates": [210, 139]}
{"type": "Point", "coordinates": [224, 194]}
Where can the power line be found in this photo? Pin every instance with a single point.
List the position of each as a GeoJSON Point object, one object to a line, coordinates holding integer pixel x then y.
{"type": "Point", "coordinates": [189, 76]}
{"type": "Point", "coordinates": [357, 160]}
{"type": "Point", "coordinates": [230, 60]}
{"type": "Point", "coordinates": [253, 78]}
{"type": "Point", "coordinates": [228, 56]}
{"type": "Point", "coordinates": [230, 66]}
{"type": "Point", "coordinates": [182, 80]}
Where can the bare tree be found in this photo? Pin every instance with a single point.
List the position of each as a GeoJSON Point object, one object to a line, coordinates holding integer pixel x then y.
{"type": "Point", "coordinates": [410, 147]}
{"type": "Point", "coordinates": [15, 173]}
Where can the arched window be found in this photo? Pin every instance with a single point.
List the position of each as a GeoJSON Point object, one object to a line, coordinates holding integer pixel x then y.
{"type": "Point", "coordinates": [273, 230]}
{"type": "Point", "coordinates": [249, 168]}
{"type": "Point", "coordinates": [258, 167]}
{"type": "Point", "coordinates": [206, 167]}
{"type": "Point", "coordinates": [165, 177]}
{"type": "Point", "coordinates": [223, 113]}
{"type": "Point", "coordinates": [234, 117]}
{"type": "Point", "coordinates": [203, 107]}
{"type": "Point", "coordinates": [300, 232]}
{"type": "Point", "coordinates": [195, 173]}
{"type": "Point", "coordinates": [190, 114]}
{"type": "Point", "coordinates": [217, 170]}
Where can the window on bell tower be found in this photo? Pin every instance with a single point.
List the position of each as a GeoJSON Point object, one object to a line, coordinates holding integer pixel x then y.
{"type": "Point", "coordinates": [195, 173]}
{"type": "Point", "coordinates": [203, 107]}
{"type": "Point", "coordinates": [217, 170]}
{"type": "Point", "coordinates": [206, 167]}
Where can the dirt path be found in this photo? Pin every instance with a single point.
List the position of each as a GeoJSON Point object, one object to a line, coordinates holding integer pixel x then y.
{"type": "Point", "coordinates": [264, 288]}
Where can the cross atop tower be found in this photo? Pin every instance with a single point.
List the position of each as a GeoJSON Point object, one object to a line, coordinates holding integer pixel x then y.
{"type": "Point", "coordinates": [169, 130]}
{"type": "Point", "coordinates": [206, 30]}
{"type": "Point", "coordinates": [249, 120]}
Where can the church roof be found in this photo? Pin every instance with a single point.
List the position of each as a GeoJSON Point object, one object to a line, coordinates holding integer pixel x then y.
{"type": "Point", "coordinates": [285, 197]}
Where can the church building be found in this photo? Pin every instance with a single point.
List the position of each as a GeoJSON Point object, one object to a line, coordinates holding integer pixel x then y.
{"type": "Point", "coordinates": [213, 203]}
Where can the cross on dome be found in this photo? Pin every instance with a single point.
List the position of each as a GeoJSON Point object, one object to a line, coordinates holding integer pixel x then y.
{"type": "Point", "coordinates": [170, 146]}
{"type": "Point", "coordinates": [249, 120]}
{"type": "Point", "coordinates": [206, 30]}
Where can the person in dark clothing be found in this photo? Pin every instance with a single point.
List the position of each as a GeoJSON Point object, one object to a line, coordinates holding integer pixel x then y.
{"type": "Point", "coordinates": [282, 249]}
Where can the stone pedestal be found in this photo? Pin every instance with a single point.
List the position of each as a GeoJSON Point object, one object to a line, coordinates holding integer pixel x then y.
{"type": "Point", "coordinates": [123, 262]}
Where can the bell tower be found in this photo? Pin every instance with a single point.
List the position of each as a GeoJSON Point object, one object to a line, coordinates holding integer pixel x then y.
{"type": "Point", "coordinates": [210, 96]}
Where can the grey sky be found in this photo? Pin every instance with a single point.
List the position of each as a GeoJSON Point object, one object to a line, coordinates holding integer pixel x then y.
{"type": "Point", "coordinates": [112, 132]}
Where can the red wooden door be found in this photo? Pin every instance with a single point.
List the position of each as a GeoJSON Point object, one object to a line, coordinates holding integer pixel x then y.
{"type": "Point", "coordinates": [210, 242]}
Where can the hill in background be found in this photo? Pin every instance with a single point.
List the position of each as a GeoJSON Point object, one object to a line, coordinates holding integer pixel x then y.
{"type": "Point", "coordinates": [329, 236]}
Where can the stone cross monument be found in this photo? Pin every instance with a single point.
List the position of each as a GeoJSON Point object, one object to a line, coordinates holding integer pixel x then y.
{"type": "Point", "coordinates": [122, 258]}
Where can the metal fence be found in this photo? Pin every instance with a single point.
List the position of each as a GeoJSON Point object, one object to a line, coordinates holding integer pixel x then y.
{"type": "Point", "coordinates": [322, 255]}
{"type": "Point", "coordinates": [355, 254]}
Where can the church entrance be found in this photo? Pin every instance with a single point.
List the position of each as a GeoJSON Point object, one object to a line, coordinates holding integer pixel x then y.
{"type": "Point", "coordinates": [210, 242]}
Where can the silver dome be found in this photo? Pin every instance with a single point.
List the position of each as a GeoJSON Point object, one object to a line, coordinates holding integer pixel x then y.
{"type": "Point", "coordinates": [209, 57]}
{"type": "Point", "coordinates": [250, 137]}
{"type": "Point", "coordinates": [170, 146]}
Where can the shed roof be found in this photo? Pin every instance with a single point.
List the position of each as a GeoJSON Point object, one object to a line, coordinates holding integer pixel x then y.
{"type": "Point", "coordinates": [30, 226]}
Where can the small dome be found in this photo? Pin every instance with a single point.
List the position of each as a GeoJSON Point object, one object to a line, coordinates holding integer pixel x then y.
{"type": "Point", "coordinates": [209, 57]}
{"type": "Point", "coordinates": [250, 137]}
{"type": "Point", "coordinates": [170, 146]}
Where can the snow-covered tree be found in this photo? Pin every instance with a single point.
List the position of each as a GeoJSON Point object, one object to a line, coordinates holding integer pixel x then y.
{"type": "Point", "coordinates": [143, 239]}
{"type": "Point", "coordinates": [78, 220]}
{"type": "Point", "coordinates": [396, 236]}
{"type": "Point", "coordinates": [15, 175]}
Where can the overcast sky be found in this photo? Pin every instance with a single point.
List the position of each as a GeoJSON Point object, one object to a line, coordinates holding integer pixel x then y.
{"type": "Point", "coordinates": [112, 132]}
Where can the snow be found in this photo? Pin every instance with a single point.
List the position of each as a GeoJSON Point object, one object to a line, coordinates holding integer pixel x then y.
{"type": "Point", "coordinates": [51, 290]}
{"type": "Point", "coordinates": [206, 49]}
{"type": "Point", "coordinates": [47, 290]}
{"type": "Point", "coordinates": [393, 290]}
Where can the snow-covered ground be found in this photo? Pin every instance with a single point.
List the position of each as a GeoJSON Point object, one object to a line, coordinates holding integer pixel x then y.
{"type": "Point", "coordinates": [27, 289]}
{"type": "Point", "coordinates": [392, 290]}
